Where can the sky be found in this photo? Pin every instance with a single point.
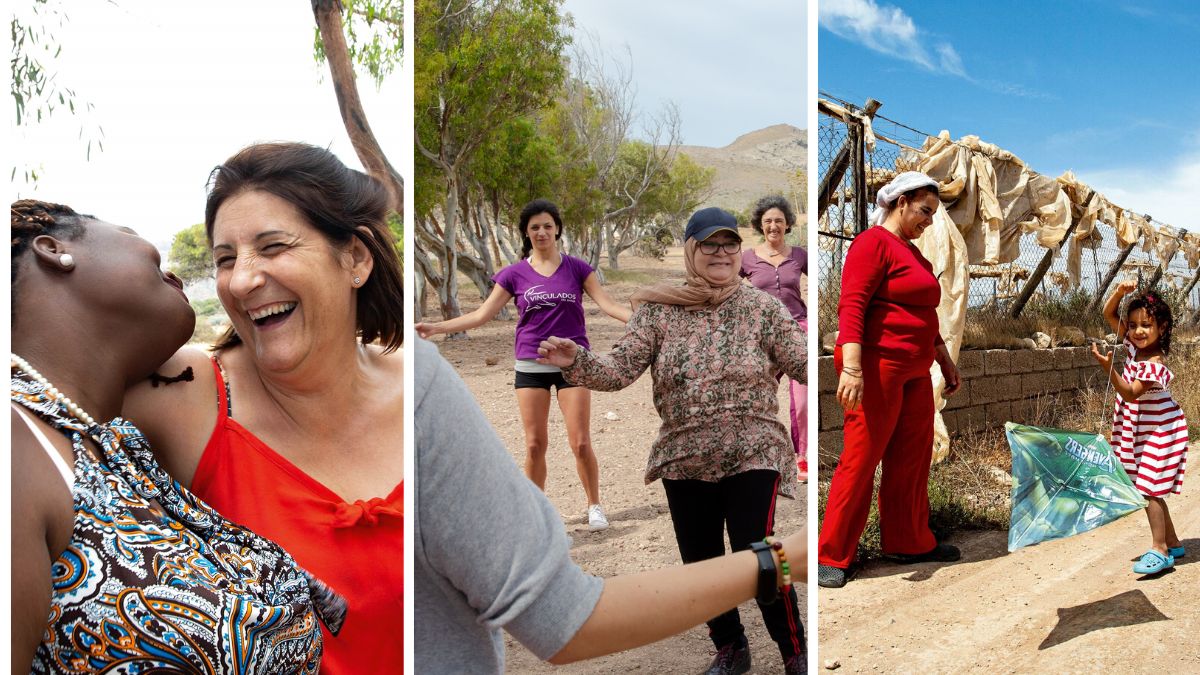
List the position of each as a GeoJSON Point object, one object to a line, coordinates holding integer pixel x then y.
{"type": "Point", "coordinates": [731, 72]}
{"type": "Point", "coordinates": [177, 89]}
{"type": "Point", "coordinates": [1106, 88]}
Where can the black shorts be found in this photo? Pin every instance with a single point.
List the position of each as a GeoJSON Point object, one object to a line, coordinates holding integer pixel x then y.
{"type": "Point", "coordinates": [541, 381]}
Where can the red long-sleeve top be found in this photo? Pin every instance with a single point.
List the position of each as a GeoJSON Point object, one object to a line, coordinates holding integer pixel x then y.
{"type": "Point", "coordinates": [889, 298]}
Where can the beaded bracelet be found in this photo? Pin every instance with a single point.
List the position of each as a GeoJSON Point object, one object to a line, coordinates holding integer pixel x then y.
{"type": "Point", "coordinates": [783, 563]}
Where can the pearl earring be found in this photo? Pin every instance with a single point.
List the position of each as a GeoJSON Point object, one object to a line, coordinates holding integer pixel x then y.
{"type": "Point", "coordinates": [357, 281]}
{"type": "Point", "coordinates": [66, 260]}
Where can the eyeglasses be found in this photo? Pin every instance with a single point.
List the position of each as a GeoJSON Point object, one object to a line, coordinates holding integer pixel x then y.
{"type": "Point", "coordinates": [710, 247]}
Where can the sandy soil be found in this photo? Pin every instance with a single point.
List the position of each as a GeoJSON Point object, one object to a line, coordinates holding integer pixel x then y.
{"type": "Point", "coordinates": [1067, 606]}
{"type": "Point", "coordinates": [641, 536]}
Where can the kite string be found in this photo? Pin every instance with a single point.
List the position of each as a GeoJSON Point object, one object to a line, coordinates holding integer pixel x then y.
{"type": "Point", "coordinates": [1113, 363]}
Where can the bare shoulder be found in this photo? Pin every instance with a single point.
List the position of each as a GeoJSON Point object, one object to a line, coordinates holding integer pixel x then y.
{"type": "Point", "coordinates": [176, 411]}
{"type": "Point", "coordinates": [389, 365]}
{"type": "Point", "coordinates": [1159, 359]}
{"type": "Point", "coordinates": [173, 383]}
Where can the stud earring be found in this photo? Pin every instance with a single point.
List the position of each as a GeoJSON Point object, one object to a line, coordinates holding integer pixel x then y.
{"type": "Point", "coordinates": [66, 260]}
{"type": "Point", "coordinates": [357, 281]}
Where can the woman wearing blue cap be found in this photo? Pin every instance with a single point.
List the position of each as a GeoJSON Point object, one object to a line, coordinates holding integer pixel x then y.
{"type": "Point", "coordinates": [713, 347]}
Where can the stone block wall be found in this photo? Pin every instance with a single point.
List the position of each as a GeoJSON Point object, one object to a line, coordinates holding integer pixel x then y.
{"type": "Point", "coordinates": [999, 386]}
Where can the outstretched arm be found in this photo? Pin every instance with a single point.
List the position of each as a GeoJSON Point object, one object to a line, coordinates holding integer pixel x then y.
{"type": "Point", "coordinates": [615, 370]}
{"type": "Point", "coordinates": [638, 609]}
{"type": "Point", "coordinates": [490, 307]}
{"type": "Point", "coordinates": [611, 307]}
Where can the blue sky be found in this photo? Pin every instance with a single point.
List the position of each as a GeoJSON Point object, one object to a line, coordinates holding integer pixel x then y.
{"type": "Point", "coordinates": [731, 72]}
{"type": "Point", "coordinates": [1107, 88]}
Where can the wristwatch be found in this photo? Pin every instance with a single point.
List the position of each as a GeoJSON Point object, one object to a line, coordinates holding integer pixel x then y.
{"type": "Point", "coordinates": [767, 573]}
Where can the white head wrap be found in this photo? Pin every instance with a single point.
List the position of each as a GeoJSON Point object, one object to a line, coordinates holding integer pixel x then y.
{"type": "Point", "coordinates": [909, 180]}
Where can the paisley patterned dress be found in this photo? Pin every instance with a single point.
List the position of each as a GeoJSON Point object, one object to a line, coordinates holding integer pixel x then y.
{"type": "Point", "coordinates": [714, 384]}
{"type": "Point", "coordinates": [181, 589]}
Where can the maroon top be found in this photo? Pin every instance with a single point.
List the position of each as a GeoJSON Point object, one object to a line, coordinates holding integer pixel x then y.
{"type": "Point", "coordinates": [782, 282]}
{"type": "Point", "coordinates": [889, 297]}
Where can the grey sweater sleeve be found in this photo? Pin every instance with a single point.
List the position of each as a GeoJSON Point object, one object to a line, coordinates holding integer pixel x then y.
{"type": "Point", "coordinates": [487, 536]}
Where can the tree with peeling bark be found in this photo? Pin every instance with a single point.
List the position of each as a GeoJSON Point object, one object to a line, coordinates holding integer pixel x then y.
{"type": "Point", "coordinates": [376, 29]}
{"type": "Point", "coordinates": [480, 64]}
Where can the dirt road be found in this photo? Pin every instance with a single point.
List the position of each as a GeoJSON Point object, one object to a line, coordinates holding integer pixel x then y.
{"type": "Point", "coordinates": [641, 536]}
{"type": "Point", "coordinates": [1067, 606]}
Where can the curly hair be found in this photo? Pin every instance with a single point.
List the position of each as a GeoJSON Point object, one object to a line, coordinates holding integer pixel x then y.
{"type": "Point", "coordinates": [530, 210]}
{"type": "Point", "coordinates": [1156, 307]}
{"type": "Point", "coordinates": [776, 201]}
{"type": "Point", "coordinates": [30, 220]}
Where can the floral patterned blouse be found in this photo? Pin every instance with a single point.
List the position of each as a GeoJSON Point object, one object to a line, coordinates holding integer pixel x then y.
{"type": "Point", "coordinates": [714, 384]}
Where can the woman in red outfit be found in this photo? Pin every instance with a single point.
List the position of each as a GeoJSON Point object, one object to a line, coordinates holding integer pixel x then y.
{"type": "Point", "coordinates": [888, 338]}
{"type": "Point", "coordinates": [295, 427]}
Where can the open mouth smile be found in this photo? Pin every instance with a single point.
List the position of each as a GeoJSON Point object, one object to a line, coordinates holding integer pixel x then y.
{"type": "Point", "coordinates": [271, 315]}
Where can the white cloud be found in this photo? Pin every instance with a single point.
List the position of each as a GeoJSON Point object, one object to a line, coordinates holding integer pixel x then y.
{"type": "Point", "coordinates": [1167, 193]}
{"type": "Point", "coordinates": [887, 30]}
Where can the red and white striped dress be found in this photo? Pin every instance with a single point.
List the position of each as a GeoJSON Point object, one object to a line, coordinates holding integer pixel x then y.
{"type": "Point", "coordinates": [1149, 435]}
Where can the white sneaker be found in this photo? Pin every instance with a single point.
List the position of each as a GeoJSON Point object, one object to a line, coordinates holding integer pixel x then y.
{"type": "Point", "coordinates": [596, 519]}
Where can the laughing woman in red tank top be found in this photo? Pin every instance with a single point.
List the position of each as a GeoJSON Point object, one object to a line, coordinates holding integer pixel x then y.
{"type": "Point", "coordinates": [888, 339]}
{"type": "Point", "coordinates": [295, 426]}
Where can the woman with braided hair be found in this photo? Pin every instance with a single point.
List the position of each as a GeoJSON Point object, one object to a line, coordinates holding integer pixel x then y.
{"type": "Point", "coordinates": [114, 565]}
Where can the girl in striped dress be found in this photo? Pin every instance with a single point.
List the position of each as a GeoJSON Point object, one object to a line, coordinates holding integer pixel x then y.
{"type": "Point", "coordinates": [1149, 432]}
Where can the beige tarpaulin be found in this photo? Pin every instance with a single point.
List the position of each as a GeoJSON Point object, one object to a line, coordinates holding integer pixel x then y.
{"type": "Point", "coordinates": [1191, 249]}
{"type": "Point", "coordinates": [944, 247]}
{"type": "Point", "coordinates": [1092, 205]}
{"type": "Point", "coordinates": [991, 196]}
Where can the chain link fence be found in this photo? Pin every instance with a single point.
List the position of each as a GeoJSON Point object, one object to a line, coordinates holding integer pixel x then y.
{"type": "Point", "coordinates": [849, 177]}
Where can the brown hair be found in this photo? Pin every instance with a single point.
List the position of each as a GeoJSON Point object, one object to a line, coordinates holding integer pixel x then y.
{"type": "Point", "coordinates": [30, 220]}
{"type": "Point", "coordinates": [337, 201]}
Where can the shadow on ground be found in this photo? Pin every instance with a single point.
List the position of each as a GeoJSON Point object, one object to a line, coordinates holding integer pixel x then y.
{"type": "Point", "coordinates": [1126, 609]}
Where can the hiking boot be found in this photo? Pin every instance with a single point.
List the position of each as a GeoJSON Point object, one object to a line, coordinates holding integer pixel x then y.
{"type": "Point", "coordinates": [797, 665]}
{"type": "Point", "coordinates": [830, 577]}
{"type": "Point", "coordinates": [596, 519]}
{"type": "Point", "coordinates": [733, 659]}
{"type": "Point", "coordinates": [940, 553]}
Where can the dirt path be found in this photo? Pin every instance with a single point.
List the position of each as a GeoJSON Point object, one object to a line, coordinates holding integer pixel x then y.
{"type": "Point", "coordinates": [641, 536]}
{"type": "Point", "coordinates": [1067, 606]}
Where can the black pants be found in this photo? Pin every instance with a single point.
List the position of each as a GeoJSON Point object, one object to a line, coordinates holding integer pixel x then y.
{"type": "Point", "coordinates": [745, 503]}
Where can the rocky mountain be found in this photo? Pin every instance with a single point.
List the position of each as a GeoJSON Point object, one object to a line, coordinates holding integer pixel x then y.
{"type": "Point", "coordinates": [745, 167]}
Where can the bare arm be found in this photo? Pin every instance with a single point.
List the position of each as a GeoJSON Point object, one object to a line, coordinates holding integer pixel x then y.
{"type": "Point", "coordinates": [611, 307]}
{"type": "Point", "coordinates": [490, 307]}
{"type": "Point", "coordinates": [1129, 392]}
{"type": "Point", "coordinates": [638, 609]}
{"type": "Point", "coordinates": [178, 418]}
{"type": "Point", "coordinates": [42, 515]}
{"type": "Point", "coordinates": [1112, 307]}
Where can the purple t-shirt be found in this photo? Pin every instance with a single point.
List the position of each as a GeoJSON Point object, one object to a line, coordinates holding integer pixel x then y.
{"type": "Point", "coordinates": [548, 306]}
{"type": "Point", "coordinates": [782, 282]}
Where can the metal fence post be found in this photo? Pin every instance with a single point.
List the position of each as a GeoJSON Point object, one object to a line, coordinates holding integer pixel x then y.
{"type": "Point", "coordinates": [1108, 278]}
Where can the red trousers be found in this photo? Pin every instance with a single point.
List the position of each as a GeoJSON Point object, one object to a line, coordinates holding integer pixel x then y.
{"type": "Point", "coordinates": [894, 424]}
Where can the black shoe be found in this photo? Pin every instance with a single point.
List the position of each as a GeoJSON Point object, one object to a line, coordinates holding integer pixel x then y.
{"type": "Point", "coordinates": [733, 659]}
{"type": "Point", "coordinates": [798, 665]}
{"type": "Point", "coordinates": [940, 553]}
{"type": "Point", "coordinates": [830, 577]}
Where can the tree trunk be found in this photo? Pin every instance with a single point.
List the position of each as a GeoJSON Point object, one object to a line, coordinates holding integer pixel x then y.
{"type": "Point", "coordinates": [328, 15]}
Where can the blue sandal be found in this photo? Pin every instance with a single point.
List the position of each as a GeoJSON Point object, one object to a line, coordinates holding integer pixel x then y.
{"type": "Point", "coordinates": [1154, 562]}
{"type": "Point", "coordinates": [1176, 552]}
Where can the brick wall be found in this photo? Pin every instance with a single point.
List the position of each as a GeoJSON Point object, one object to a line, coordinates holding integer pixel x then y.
{"type": "Point", "coordinates": [999, 386]}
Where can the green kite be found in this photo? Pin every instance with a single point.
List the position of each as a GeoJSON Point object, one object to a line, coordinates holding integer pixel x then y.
{"type": "Point", "coordinates": [1064, 483]}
